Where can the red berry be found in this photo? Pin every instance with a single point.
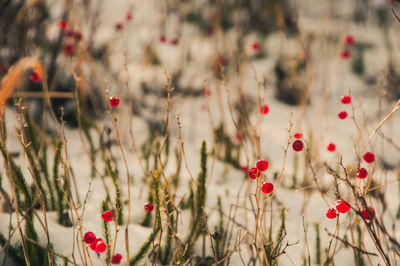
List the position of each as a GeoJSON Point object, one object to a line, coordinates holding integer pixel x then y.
{"type": "Point", "coordinates": [254, 173]}
{"type": "Point", "coordinates": [94, 244]}
{"type": "Point", "coordinates": [267, 188]}
{"type": "Point", "coordinates": [114, 101]}
{"type": "Point", "coordinates": [3, 68]}
{"type": "Point", "coordinates": [255, 46]}
{"type": "Point", "coordinates": [243, 168]}
{"type": "Point", "coordinates": [342, 115]}
{"type": "Point", "coordinates": [362, 173]}
{"type": "Point", "coordinates": [369, 157]}
{"type": "Point", "coordinates": [342, 206]}
{"type": "Point", "coordinates": [68, 49]}
{"type": "Point", "coordinates": [239, 137]}
{"type": "Point", "coordinates": [62, 24]}
{"type": "Point", "coordinates": [118, 26]}
{"type": "Point", "coordinates": [89, 237]}
{"type": "Point", "coordinates": [262, 165]}
{"type": "Point", "coordinates": [128, 16]}
{"type": "Point", "coordinates": [264, 109]}
{"type": "Point", "coordinates": [331, 147]}
{"type": "Point", "coordinates": [349, 40]}
{"type": "Point", "coordinates": [69, 34]}
{"type": "Point", "coordinates": [107, 216]}
{"type": "Point", "coordinates": [346, 99]}
{"type": "Point", "coordinates": [116, 258]}
{"type": "Point", "coordinates": [222, 61]}
{"type": "Point", "coordinates": [163, 39]}
{"type": "Point", "coordinates": [149, 207]}
{"type": "Point", "coordinates": [298, 145]}
{"type": "Point", "coordinates": [78, 36]}
{"type": "Point", "coordinates": [175, 41]}
{"type": "Point", "coordinates": [368, 214]}
{"type": "Point", "coordinates": [35, 76]}
{"type": "Point", "coordinates": [206, 92]}
{"type": "Point", "coordinates": [345, 54]}
{"type": "Point", "coordinates": [331, 213]}
{"type": "Point", "coordinates": [298, 135]}
{"type": "Point", "coordinates": [101, 246]}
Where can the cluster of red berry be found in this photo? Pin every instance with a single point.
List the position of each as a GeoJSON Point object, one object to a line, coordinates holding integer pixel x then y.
{"type": "Point", "coordinates": [98, 245]}
{"type": "Point", "coordinates": [73, 37]}
{"type": "Point", "coordinates": [349, 41]}
{"type": "Point", "coordinates": [174, 41]}
{"type": "Point", "coordinates": [346, 99]}
{"type": "Point", "coordinates": [255, 172]}
{"type": "Point", "coordinates": [343, 206]}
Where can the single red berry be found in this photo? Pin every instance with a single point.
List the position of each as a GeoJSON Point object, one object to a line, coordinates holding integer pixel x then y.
{"type": "Point", "coordinates": [78, 36]}
{"type": "Point", "coordinates": [244, 168]}
{"type": "Point", "coordinates": [331, 213]}
{"type": "Point", "coordinates": [69, 34]}
{"type": "Point", "coordinates": [255, 46]}
{"type": "Point", "coordinates": [94, 244]}
{"type": "Point", "coordinates": [262, 165]}
{"type": "Point", "coordinates": [239, 137]}
{"type": "Point", "coordinates": [128, 16]}
{"type": "Point", "coordinates": [175, 41]}
{"type": "Point", "coordinates": [264, 109]}
{"type": "Point", "coordinates": [107, 216]}
{"type": "Point", "coordinates": [346, 99]}
{"type": "Point", "coordinates": [342, 115]}
{"type": "Point", "coordinates": [342, 206]}
{"type": "Point", "coordinates": [35, 76]}
{"type": "Point", "coordinates": [118, 26]}
{"type": "Point", "coordinates": [116, 258]}
{"type": "Point", "coordinates": [254, 173]}
{"type": "Point", "coordinates": [369, 157]}
{"type": "Point", "coordinates": [331, 147]}
{"type": "Point", "coordinates": [149, 207]}
{"type": "Point", "coordinates": [298, 145]}
{"type": "Point", "coordinates": [362, 173]}
{"type": "Point", "coordinates": [368, 213]}
{"type": "Point", "coordinates": [101, 246]}
{"type": "Point", "coordinates": [89, 237]}
{"type": "Point", "coordinates": [349, 40]}
{"type": "Point", "coordinates": [68, 49]}
{"type": "Point", "coordinates": [345, 54]}
{"type": "Point", "coordinates": [114, 101]}
{"type": "Point", "coordinates": [267, 188]}
{"type": "Point", "coordinates": [163, 39]}
{"type": "Point", "coordinates": [298, 135]}
{"type": "Point", "coordinates": [62, 24]}
{"type": "Point", "coordinates": [3, 68]}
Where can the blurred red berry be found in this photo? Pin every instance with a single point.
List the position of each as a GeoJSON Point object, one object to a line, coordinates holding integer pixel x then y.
{"type": "Point", "coordinates": [175, 41]}
{"type": "Point", "coordinates": [128, 16]}
{"type": "Point", "coordinates": [331, 213]}
{"type": "Point", "coordinates": [298, 145]}
{"type": "Point", "coordinates": [207, 92]}
{"type": "Point", "coordinates": [3, 68]}
{"type": "Point", "coordinates": [107, 216]}
{"type": "Point", "coordinates": [342, 115]}
{"type": "Point", "coordinates": [239, 137]}
{"type": "Point", "coordinates": [118, 26]}
{"type": "Point", "coordinates": [89, 237]}
{"type": "Point", "coordinates": [264, 109]}
{"type": "Point", "coordinates": [69, 34]}
{"type": "Point", "coordinates": [255, 46]}
{"type": "Point", "coordinates": [262, 165]}
{"type": "Point", "coordinates": [101, 246]}
{"type": "Point", "coordinates": [244, 168]}
{"type": "Point", "coordinates": [68, 49]}
{"type": "Point", "coordinates": [254, 173]}
{"type": "Point", "coordinates": [368, 213]}
{"type": "Point", "coordinates": [267, 188]}
{"type": "Point", "coordinates": [331, 147]}
{"type": "Point", "coordinates": [35, 76]}
{"type": "Point", "coordinates": [298, 135]}
{"type": "Point", "coordinates": [342, 206]}
{"type": "Point", "coordinates": [349, 40]}
{"type": "Point", "coordinates": [62, 24]}
{"type": "Point", "coordinates": [116, 258]}
{"type": "Point", "coordinates": [78, 36]}
{"type": "Point", "coordinates": [362, 173]}
{"type": "Point", "coordinates": [163, 39]}
{"type": "Point", "coordinates": [346, 99]}
{"type": "Point", "coordinates": [114, 101]}
{"type": "Point", "coordinates": [345, 54]}
{"type": "Point", "coordinates": [369, 157]}
{"type": "Point", "coordinates": [149, 207]}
